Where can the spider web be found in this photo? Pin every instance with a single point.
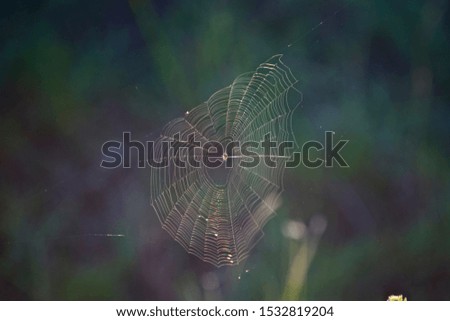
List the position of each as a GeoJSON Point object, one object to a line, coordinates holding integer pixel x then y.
{"type": "Point", "coordinates": [221, 222]}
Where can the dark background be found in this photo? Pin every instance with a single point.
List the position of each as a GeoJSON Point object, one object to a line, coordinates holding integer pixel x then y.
{"type": "Point", "coordinates": [74, 74]}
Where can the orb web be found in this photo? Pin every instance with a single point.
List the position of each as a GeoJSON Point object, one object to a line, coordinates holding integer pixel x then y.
{"type": "Point", "coordinates": [221, 222]}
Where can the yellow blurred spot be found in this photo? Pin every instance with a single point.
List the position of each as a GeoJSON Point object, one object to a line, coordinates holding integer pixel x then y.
{"type": "Point", "coordinates": [397, 298]}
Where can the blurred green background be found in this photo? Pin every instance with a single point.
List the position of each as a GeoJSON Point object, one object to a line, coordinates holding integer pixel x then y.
{"type": "Point", "coordinates": [74, 74]}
